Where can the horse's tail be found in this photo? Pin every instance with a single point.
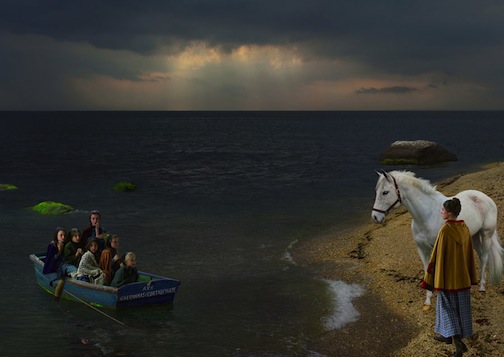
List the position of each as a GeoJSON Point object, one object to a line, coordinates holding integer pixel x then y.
{"type": "Point", "coordinates": [496, 260]}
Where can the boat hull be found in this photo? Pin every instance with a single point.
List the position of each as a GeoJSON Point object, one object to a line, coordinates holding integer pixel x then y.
{"type": "Point", "coordinates": [149, 290]}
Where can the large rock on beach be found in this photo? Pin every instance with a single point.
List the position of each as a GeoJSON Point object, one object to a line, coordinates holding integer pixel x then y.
{"type": "Point", "coordinates": [52, 208]}
{"type": "Point", "coordinates": [417, 152]}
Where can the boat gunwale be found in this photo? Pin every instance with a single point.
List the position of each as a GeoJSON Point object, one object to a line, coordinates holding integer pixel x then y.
{"type": "Point", "coordinates": [35, 257]}
{"type": "Point", "coordinates": [109, 289]}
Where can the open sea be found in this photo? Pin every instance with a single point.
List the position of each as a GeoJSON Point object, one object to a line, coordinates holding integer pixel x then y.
{"type": "Point", "coordinates": [222, 198]}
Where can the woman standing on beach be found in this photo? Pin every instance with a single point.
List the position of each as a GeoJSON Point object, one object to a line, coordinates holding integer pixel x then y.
{"type": "Point", "coordinates": [451, 272]}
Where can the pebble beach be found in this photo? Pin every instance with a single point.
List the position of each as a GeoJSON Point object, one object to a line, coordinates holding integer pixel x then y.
{"type": "Point", "coordinates": [384, 260]}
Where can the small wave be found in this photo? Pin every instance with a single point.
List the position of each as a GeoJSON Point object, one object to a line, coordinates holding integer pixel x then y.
{"type": "Point", "coordinates": [287, 256]}
{"type": "Point", "coordinates": [343, 310]}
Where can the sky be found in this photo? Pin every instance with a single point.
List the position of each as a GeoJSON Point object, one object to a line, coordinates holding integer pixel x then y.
{"type": "Point", "coordinates": [251, 55]}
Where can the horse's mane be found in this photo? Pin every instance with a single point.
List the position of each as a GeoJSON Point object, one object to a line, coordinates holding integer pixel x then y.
{"type": "Point", "coordinates": [409, 178]}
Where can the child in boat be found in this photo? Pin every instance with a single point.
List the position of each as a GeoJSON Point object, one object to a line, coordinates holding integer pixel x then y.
{"type": "Point", "coordinates": [127, 273]}
{"type": "Point", "coordinates": [54, 255]}
{"type": "Point", "coordinates": [110, 259]}
{"type": "Point", "coordinates": [72, 252]}
{"type": "Point", "coordinates": [88, 267]}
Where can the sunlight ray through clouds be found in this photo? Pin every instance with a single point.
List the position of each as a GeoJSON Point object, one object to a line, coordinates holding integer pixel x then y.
{"type": "Point", "coordinates": [245, 75]}
{"type": "Point", "coordinates": [196, 56]}
{"type": "Point", "coordinates": [199, 56]}
{"type": "Point", "coordinates": [277, 58]}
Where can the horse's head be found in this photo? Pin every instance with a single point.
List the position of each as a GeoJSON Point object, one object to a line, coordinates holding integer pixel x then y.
{"type": "Point", "coordinates": [388, 196]}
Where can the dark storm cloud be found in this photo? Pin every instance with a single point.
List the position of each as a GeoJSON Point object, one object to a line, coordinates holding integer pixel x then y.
{"type": "Point", "coordinates": [357, 28]}
{"type": "Point", "coordinates": [386, 90]}
{"type": "Point", "coordinates": [454, 38]}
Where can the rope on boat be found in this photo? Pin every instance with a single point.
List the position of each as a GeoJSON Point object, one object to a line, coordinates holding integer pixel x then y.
{"type": "Point", "coordinates": [94, 308]}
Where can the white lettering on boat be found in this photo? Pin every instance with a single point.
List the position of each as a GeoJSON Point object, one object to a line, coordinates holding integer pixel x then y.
{"type": "Point", "coordinates": [148, 287]}
{"type": "Point", "coordinates": [148, 294]}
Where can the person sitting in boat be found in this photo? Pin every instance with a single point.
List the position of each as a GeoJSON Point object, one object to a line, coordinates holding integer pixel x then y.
{"type": "Point", "coordinates": [94, 230]}
{"type": "Point", "coordinates": [127, 273]}
{"type": "Point", "coordinates": [54, 254]}
{"type": "Point", "coordinates": [72, 252]}
{"type": "Point", "coordinates": [89, 269]}
{"type": "Point", "coordinates": [110, 258]}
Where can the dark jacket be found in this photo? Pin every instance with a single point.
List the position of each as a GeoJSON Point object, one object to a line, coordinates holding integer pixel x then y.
{"type": "Point", "coordinates": [69, 254]}
{"type": "Point", "coordinates": [124, 276]}
{"type": "Point", "coordinates": [53, 260]}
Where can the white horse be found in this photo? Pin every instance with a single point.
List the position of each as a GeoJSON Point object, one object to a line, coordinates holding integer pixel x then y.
{"type": "Point", "coordinates": [424, 203]}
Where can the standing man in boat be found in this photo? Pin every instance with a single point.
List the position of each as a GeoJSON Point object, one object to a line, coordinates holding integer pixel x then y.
{"type": "Point", "coordinates": [94, 230]}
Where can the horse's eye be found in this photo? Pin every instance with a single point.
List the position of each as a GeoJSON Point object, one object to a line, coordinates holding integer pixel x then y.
{"type": "Point", "coordinates": [385, 193]}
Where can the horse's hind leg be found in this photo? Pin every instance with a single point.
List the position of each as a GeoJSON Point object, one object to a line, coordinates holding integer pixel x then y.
{"type": "Point", "coordinates": [482, 246]}
{"type": "Point", "coordinates": [483, 260]}
{"type": "Point", "coordinates": [495, 260]}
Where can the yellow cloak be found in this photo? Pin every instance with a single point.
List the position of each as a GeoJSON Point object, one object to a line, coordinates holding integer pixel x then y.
{"type": "Point", "coordinates": [451, 265]}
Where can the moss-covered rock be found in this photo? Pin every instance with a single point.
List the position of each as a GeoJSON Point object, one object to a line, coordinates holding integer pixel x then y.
{"type": "Point", "coordinates": [399, 162]}
{"type": "Point", "coordinates": [6, 186]}
{"type": "Point", "coordinates": [52, 208]}
{"type": "Point", "coordinates": [124, 186]}
{"type": "Point", "coordinates": [416, 152]}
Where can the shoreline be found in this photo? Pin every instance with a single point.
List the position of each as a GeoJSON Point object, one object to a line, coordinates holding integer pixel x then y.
{"type": "Point", "coordinates": [384, 260]}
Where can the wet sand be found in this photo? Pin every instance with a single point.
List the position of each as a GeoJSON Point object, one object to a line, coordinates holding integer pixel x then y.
{"type": "Point", "coordinates": [384, 259]}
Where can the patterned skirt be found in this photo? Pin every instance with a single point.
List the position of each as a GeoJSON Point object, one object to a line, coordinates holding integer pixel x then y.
{"type": "Point", "coordinates": [454, 313]}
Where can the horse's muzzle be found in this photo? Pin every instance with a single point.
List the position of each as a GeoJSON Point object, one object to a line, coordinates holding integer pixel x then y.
{"type": "Point", "coordinates": [378, 217]}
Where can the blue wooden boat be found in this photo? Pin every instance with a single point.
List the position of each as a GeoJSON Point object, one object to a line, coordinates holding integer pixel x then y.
{"type": "Point", "coordinates": [149, 290]}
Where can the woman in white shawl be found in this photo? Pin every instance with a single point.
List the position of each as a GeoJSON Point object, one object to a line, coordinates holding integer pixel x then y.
{"type": "Point", "coordinates": [88, 269]}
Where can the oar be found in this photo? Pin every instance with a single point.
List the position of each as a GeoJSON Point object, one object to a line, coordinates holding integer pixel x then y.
{"type": "Point", "coordinates": [59, 288]}
{"type": "Point", "coordinates": [94, 308]}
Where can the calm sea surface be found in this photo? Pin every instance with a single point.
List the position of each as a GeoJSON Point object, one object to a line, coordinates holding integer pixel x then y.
{"type": "Point", "coordinates": [222, 196]}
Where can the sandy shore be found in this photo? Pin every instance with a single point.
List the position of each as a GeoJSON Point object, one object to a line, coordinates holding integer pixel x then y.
{"type": "Point", "coordinates": [384, 259]}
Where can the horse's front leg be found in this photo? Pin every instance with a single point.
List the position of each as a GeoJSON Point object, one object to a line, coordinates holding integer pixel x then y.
{"type": "Point", "coordinates": [424, 251]}
{"type": "Point", "coordinates": [427, 302]}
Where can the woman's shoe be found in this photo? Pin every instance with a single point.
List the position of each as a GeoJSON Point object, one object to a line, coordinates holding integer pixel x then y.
{"type": "Point", "coordinates": [447, 340]}
{"type": "Point", "coordinates": [459, 346]}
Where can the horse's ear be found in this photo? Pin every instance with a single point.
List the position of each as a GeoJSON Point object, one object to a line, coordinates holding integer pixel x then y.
{"type": "Point", "coordinates": [384, 173]}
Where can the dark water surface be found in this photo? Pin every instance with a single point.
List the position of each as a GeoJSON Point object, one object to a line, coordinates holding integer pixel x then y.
{"type": "Point", "coordinates": [221, 197]}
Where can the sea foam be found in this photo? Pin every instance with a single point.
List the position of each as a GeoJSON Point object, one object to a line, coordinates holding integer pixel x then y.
{"type": "Point", "coordinates": [287, 256]}
{"type": "Point", "coordinates": [343, 310]}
